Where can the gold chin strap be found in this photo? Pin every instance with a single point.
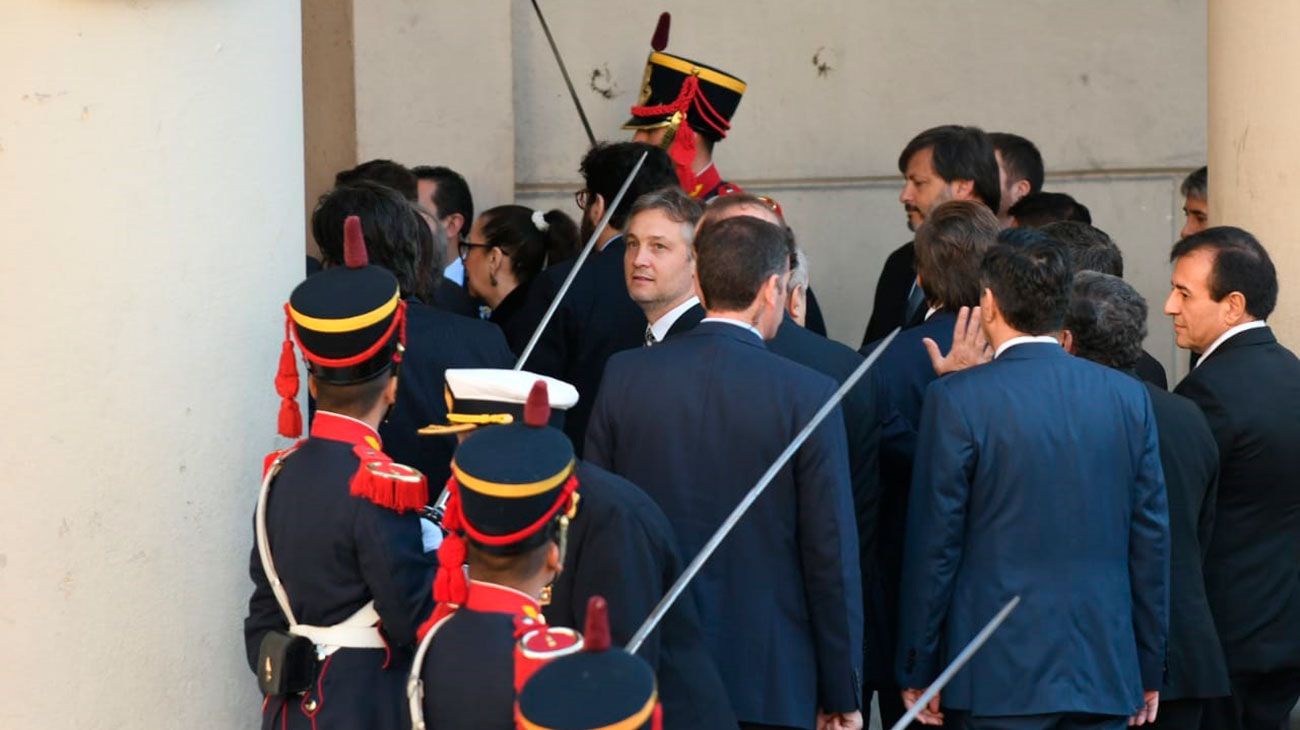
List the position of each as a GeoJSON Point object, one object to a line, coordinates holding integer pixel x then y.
{"type": "Point", "coordinates": [673, 124]}
{"type": "Point", "coordinates": [565, 519]}
{"type": "Point", "coordinates": [461, 422]}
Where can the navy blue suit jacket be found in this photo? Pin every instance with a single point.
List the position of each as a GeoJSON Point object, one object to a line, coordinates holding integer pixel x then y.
{"type": "Point", "coordinates": [595, 319]}
{"type": "Point", "coordinates": [695, 421]}
{"type": "Point", "coordinates": [435, 340]}
{"type": "Point", "coordinates": [898, 382]}
{"type": "Point", "coordinates": [1037, 475]}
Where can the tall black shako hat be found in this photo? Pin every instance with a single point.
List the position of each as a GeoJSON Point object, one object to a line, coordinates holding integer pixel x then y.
{"type": "Point", "coordinates": [598, 688]}
{"type": "Point", "coordinates": [508, 486]}
{"type": "Point", "coordinates": [676, 89]}
{"type": "Point", "coordinates": [349, 322]}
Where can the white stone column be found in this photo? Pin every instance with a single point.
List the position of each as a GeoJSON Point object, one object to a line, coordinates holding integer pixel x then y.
{"type": "Point", "coordinates": [151, 158]}
{"type": "Point", "coordinates": [1254, 135]}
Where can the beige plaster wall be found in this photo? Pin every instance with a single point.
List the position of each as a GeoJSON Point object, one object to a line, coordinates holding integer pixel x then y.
{"type": "Point", "coordinates": [329, 98]}
{"type": "Point", "coordinates": [433, 81]}
{"type": "Point", "coordinates": [151, 163]}
{"type": "Point", "coordinates": [1112, 91]}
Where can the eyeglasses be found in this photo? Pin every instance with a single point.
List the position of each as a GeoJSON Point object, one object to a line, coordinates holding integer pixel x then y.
{"type": "Point", "coordinates": [465, 247]}
{"type": "Point", "coordinates": [582, 198]}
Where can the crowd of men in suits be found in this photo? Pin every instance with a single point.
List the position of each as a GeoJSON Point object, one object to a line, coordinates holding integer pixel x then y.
{"type": "Point", "coordinates": [1013, 439]}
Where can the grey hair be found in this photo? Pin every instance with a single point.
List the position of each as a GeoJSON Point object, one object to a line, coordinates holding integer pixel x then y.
{"type": "Point", "coordinates": [798, 269]}
{"type": "Point", "coordinates": [1197, 184]}
{"type": "Point", "coordinates": [1108, 319]}
{"type": "Point", "coordinates": [674, 203]}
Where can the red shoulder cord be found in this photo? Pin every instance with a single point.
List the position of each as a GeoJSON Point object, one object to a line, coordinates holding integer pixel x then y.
{"type": "Point", "coordinates": [682, 150]}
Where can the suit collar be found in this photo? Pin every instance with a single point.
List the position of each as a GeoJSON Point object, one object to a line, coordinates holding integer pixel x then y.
{"type": "Point", "coordinates": [1032, 351]}
{"type": "Point", "coordinates": [731, 331]}
{"type": "Point", "coordinates": [1261, 334]}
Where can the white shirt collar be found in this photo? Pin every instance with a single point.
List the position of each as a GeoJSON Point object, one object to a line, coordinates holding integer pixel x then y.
{"type": "Point", "coordinates": [736, 322]}
{"type": "Point", "coordinates": [659, 328]}
{"type": "Point", "coordinates": [1252, 325]}
{"type": "Point", "coordinates": [930, 312]}
{"type": "Point", "coordinates": [1021, 340]}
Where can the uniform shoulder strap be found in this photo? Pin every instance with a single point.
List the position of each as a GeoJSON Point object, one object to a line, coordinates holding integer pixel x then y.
{"type": "Point", "coordinates": [386, 483]}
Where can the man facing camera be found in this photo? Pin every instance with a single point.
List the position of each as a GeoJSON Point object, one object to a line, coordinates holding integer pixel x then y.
{"type": "Point", "coordinates": [1248, 386]}
{"type": "Point", "coordinates": [659, 262]}
{"type": "Point", "coordinates": [786, 636]}
{"type": "Point", "coordinates": [1017, 490]}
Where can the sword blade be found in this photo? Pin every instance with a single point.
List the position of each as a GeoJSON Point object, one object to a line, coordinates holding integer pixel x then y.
{"type": "Point", "coordinates": [956, 665]}
{"type": "Point", "coordinates": [697, 563]}
{"type": "Point", "coordinates": [573, 94]}
{"type": "Point", "coordinates": [577, 265]}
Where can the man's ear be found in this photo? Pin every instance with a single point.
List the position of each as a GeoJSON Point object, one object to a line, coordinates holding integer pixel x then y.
{"type": "Point", "coordinates": [553, 561]}
{"type": "Point", "coordinates": [390, 391]}
{"type": "Point", "coordinates": [454, 224]}
{"type": "Point", "coordinates": [988, 306]}
{"type": "Point", "coordinates": [1019, 190]}
{"type": "Point", "coordinates": [596, 207]}
{"type": "Point", "coordinates": [311, 386]}
{"type": "Point", "coordinates": [1235, 313]}
{"type": "Point", "coordinates": [963, 189]}
{"type": "Point", "coordinates": [1066, 338]}
{"type": "Point", "coordinates": [771, 291]}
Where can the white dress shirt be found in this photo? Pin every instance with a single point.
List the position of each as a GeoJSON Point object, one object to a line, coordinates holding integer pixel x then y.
{"type": "Point", "coordinates": [1253, 325]}
{"type": "Point", "coordinates": [659, 329]}
{"type": "Point", "coordinates": [1021, 340]}
{"type": "Point", "coordinates": [736, 322]}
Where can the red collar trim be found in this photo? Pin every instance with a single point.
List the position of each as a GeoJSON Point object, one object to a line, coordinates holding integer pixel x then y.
{"type": "Point", "coordinates": [492, 598]}
{"type": "Point", "coordinates": [338, 427]}
{"type": "Point", "coordinates": [706, 181]}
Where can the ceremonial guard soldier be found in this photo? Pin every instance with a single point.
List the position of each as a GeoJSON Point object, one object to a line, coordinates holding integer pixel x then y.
{"type": "Point", "coordinates": [621, 545]}
{"type": "Point", "coordinates": [686, 108]}
{"type": "Point", "coordinates": [599, 688]}
{"type": "Point", "coordinates": [340, 578]}
{"type": "Point", "coordinates": [511, 495]}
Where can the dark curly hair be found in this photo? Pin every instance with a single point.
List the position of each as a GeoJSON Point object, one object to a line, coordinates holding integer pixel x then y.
{"type": "Point", "coordinates": [1108, 319]}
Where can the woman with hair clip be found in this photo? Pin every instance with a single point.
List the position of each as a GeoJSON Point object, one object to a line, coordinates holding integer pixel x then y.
{"type": "Point", "coordinates": [506, 248]}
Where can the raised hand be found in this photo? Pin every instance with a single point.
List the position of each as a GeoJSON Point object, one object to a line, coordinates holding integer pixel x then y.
{"type": "Point", "coordinates": [969, 345]}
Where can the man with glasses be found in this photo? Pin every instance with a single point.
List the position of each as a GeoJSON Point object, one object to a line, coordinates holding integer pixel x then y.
{"type": "Point", "coordinates": [596, 318]}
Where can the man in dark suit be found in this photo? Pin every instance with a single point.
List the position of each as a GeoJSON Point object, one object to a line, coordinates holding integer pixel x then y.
{"type": "Point", "coordinates": [1018, 491]}
{"type": "Point", "coordinates": [596, 318]}
{"type": "Point", "coordinates": [435, 339]}
{"type": "Point", "coordinates": [943, 163]}
{"type": "Point", "coordinates": [1106, 323]}
{"type": "Point", "coordinates": [695, 422]}
{"type": "Point", "coordinates": [949, 246]}
{"type": "Point", "coordinates": [659, 262]}
{"type": "Point", "coordinates": [433, 287]}
{"type": "Point", "coordinates": [861, 422]}
{"type": "Point", "coordinates": [621, 547]}
{"type": "Point", "coordinates": [1248, 386]}
{"type": "Point", "coordinates": [1090, 249]}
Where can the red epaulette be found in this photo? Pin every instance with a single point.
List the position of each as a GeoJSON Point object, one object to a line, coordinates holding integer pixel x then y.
{"type": "Point", "coordinates": [271, 457]}
{"type": "Point", "coordinates": [387, 483]}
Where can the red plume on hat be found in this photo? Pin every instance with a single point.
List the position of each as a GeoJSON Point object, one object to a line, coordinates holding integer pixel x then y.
{"type": "Point", "coordinates": [537, 409]}
{"type": "Point", "coordinates": [354, 244]}
{"type": "Point", "coordinates": [596, 637]}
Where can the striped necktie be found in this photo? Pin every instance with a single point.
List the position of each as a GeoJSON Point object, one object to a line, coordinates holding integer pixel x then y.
{"type": "Point", "coordinates": [650, 340]}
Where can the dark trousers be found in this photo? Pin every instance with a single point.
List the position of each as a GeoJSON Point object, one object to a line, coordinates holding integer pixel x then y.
{"type": "Point", "coordinates": [958, 720]}
{"type": "Point", "coordinates": [1181, 715]}
{"type": "Point", "coordinates": [1260, 701]}
{"type": "Point", "coordinates": [1185, 714]}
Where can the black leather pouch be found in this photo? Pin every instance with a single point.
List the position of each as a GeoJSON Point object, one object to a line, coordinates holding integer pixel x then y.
{"type": "Point", "coordinates": [286, 664]}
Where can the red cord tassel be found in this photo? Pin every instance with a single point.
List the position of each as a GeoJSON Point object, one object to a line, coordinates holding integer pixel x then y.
{"type": "Point", "coordinates": [286, 385]}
